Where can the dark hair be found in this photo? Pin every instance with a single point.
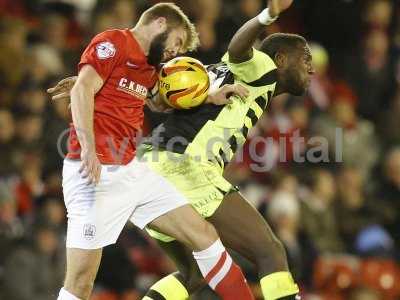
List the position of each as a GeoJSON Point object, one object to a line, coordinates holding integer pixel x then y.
{"type": "Point", "coordinates": [175, 17]}
{"type": "Point", "coordinates": [281, 42]}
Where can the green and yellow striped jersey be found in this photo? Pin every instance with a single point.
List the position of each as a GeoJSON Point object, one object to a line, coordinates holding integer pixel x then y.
{"type": "Point", "coordinates": [214, 133]}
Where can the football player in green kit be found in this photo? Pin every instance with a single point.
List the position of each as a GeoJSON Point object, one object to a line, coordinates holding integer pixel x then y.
{"type": "Point", "coordinates": [211, 135]}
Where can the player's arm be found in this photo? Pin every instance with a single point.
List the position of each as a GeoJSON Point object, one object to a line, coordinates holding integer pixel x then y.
{"type": "Point", "coordinates": [240, 48]}
{"type": "Point", "coordinates": [83, 92]}
{"type": "Point", "coordinates": [219, 97]}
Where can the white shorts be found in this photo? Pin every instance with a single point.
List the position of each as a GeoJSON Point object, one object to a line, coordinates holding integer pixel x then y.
{"type": "Point", "coordinates": [97, 214]}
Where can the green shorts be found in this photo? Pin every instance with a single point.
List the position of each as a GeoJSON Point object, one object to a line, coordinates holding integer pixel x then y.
{"type": "Point", "coordinates": [201, 183]}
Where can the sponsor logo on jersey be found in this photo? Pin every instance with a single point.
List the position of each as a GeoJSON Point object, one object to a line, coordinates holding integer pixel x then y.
{"type": "Point", "coordinates": [105, 50]}
{"type": "Point", "coordinates": [132, 88]}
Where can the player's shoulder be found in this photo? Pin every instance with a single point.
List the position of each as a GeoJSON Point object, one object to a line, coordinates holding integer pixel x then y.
{"type": "Point", "coordinates": [268, 61]}
{"type": "Point", "coordinates": [113, 35]}
{"type": "Point", "coordinates": [109, 43]}
{"type": "Point", "coordinates": [257, 58]}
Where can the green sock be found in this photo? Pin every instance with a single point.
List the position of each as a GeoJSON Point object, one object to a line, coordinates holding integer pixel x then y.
{"type": "Point", "coordinates": [168, 288]}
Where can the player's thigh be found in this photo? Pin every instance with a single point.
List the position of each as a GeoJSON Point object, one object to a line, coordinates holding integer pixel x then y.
{"type": "Point", "coordinates": [97, 213]}
{"type": "Point", "coordinates": [188, 271]}
{"type": "Point", "coordinates": [187, 226]}
{"type": "Point", "coordinates": [243, 229]}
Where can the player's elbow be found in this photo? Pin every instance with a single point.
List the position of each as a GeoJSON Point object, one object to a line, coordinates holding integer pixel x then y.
{"type": "Point", "coordinates": [77, 90]}
{"type": "Point", "coordinates": [237, 54]}
{"type": "Point", "coordinates": [233, 51]}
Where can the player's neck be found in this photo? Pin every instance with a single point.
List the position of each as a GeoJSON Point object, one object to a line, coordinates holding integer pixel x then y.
{"type": "Point", "coordinates": [143, 38]}
{"type": "Point", "coordinates": [279, 89]}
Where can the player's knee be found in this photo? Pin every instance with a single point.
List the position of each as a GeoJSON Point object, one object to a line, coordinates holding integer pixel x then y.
{"type": "Point", "coordinates": [208, 235]}
{"type": "Point", "coordinates": [271, 256]}
{"type": "Point", "coordinates": [202, 235]}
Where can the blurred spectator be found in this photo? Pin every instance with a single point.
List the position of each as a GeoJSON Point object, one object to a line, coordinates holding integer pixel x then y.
{"type": "Point", "coordinates": [7, 147]}
{"type": "Point", "coordinates": [53, 211]}
{"type": "Point", "coordinates": [353, 208]}
{"type": "Point", "coordinates": [39, 266]}
{"type": "Point", "coordinates": [371, 74]}
{"type": "Point", "coordinates": [321, 84]}
{"type": "Point", "coordinates": [11, 227]}
{"type": "Point", "coordinates": [117, 14]}
{"type": "Point", "coordinates": [347, 134]}
{"type": "Point", "coordinates": [30, 185]}
{"type": "Point", "coordinates": [206, 23]}
{"type": "Point", "coordinates": [29, 132]}
{"type": "Point", "coordinates": [284, 216]}
{"type": "Point", "coordinates": [318, 216]}
{"type": "Point", "coordinates": [13, 33]}
{"type": "Point", "coordinates": [32, 99]}
{"type": "Point", "coordinates": [389, 121]}
{"type": "Point", "coordinates": [374, 241]}
{"type": "Point", "coordinates": [365, 294]}
{"type": "Point", "coordinates": [388, 194]}
{"type": "Point", "coordinates": [378, 14]}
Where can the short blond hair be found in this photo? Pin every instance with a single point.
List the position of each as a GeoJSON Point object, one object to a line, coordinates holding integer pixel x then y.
{"type": "Point", "coordinates": [175, 18]}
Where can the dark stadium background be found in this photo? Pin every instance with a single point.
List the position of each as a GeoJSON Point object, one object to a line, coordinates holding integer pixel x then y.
{"type": "Point", "coordinates": [340, 221]}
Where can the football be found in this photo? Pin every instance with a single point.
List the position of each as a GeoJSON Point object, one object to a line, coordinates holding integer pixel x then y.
{"type": "Point", "coordinates": [183, 83]}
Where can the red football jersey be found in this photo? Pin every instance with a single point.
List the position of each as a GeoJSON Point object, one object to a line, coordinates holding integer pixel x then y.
{"type": "Point", "coordinates": [118, 106]}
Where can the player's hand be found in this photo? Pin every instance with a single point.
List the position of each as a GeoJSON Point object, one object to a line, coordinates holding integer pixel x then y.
{"type": "Point", "coordinates": [62, 89]}
{"type": "Point", "coordinates": [223, 94]}
{"type": "Point", "coordinates": [90, 166]}
{"type": "Point", "coordinates": [278, 6]}
{"type": "Point", "coordinates": [158, 105]}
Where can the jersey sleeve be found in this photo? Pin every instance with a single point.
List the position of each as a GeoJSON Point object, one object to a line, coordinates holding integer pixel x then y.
{"type": "Point", "coordinates": [104, 53]}
{"type": "Point", "coordinates": [252, 70]}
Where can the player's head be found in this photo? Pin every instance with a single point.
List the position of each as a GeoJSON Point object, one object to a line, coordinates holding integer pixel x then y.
{"type": "Point", "coordinates": [173, 32]}
{"type": "Point", "coordinates": [292, 56]}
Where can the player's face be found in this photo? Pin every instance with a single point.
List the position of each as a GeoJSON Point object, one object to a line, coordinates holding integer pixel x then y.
{"type": "Point", "coordinates": [174, 43]}
{"type": "Point", "coordinates": [299, 71]}
{"type": "Point", "coordinates": [157, 48]}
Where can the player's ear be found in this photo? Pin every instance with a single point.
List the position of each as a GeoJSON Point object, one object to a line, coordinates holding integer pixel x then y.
{"type": "Point", "coordinates": [280, 60]}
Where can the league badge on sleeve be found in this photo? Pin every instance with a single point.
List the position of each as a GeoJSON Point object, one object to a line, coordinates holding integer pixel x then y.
{"type": "Point", "coordinates": [105, 50]}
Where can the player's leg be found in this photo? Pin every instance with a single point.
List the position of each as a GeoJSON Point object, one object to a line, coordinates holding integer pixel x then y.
{"type": "Point", "coordinates": [243, 229]}
{"type": "Point", "coordinates": [82, 267]}
{"type": "Point", "coordinates": [215, 264]}
{"type": "Point", "coordinates": [170, 214]}
{"type": "Point", "coordinates": [96, 216]}
{"type": "Point", "coordinates": [181, 284]}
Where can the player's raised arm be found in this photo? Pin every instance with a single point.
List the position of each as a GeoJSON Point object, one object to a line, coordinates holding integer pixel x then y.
{"type": "Point", "coordinates": [240, 47]}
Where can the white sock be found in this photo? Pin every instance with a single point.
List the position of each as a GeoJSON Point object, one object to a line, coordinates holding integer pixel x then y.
{"type": "Point", "coordinates": [65, 295]}
{"type": "Point", "coordinates": [214, 263]}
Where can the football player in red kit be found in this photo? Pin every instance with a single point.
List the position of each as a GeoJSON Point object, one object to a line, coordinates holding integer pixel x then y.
{"type": "Point", "coordinates": [104, 185]}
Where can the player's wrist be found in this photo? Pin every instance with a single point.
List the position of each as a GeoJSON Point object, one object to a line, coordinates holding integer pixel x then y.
{"type": "Point", "coordinates": [265, 17]}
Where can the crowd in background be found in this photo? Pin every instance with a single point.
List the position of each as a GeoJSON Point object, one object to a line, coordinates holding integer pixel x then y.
{"type": "Point", "coordinates": [339, 219]}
